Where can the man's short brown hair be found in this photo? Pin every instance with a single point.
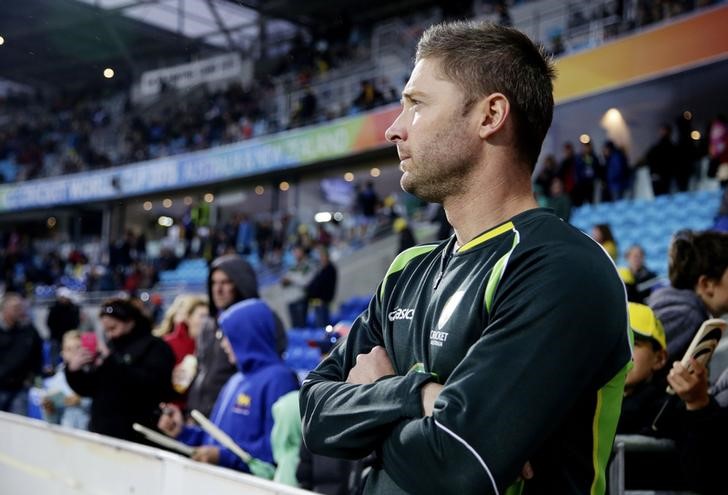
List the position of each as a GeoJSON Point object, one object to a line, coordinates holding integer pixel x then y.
{"type": "Point", "coordinates": [484, 58]}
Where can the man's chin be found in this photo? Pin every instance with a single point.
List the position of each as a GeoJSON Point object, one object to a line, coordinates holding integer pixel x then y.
{"type": "Point", "coordinates": [408, 185]}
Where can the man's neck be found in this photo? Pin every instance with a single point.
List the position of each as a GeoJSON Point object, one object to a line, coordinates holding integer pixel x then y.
{"type": "Point", "coordinates": [486, 204]}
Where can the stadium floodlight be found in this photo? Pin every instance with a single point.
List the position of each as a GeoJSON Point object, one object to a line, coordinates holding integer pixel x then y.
{"type": "Point", "coordinates": [695, 135]}
{"type": "Point", "coordinates": [2, 40]}
{"type": "Point", "coordinates": [108, 73]}
{"type": "Point", "coordinates": [585, 139]}
{"type": "Point", "coordinates": [165, 221]}
{"type": "Point", "coordinates": [375, 172]}
{"type": "Point", "coordinates": [322, 217]}
{"type": "Point", "coordinates": [349, 177]}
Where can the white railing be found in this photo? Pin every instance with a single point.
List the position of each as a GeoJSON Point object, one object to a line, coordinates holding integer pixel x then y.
{"type": "Point", "coordinates": [39, 458]}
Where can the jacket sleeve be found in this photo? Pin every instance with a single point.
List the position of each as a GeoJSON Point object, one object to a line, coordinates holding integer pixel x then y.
{"type": "Point", "coordinates": [200, 437]}
{"type": "Point", "coordinates": [552, 335]}
{"type": "Point", "coordinates": [151, 374]}
{"type": "Point", "coordinates": [84, 383]}
{"type": "Point", "coordinates": [192, 435]}
{"type": "Point", "coordinates": [346, 420]}
{"type": "Point", "coordinates": [232, 461]}
{"type": "Point", "coordinates": [304, 471]}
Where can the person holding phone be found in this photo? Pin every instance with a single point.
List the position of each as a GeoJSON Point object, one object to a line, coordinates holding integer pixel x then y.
{"type": "Point", "coordinates": [129, 380]}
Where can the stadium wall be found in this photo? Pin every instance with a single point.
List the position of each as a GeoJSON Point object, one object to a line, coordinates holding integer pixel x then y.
{"type": "Point", "coordinates": [36, 457]}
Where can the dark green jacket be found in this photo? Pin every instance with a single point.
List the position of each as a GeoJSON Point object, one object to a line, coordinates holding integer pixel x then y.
{"type": "Point", "coordinates": [526, 327]}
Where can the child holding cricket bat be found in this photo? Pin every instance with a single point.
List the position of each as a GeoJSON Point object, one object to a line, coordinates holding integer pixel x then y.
{"type": "Point", "coordinates": [689, 415]}
{"type": "Point", "coordinates": [243, 409]}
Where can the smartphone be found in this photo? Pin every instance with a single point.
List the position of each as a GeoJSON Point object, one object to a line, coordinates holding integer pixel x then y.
{"type": "Point", "coordinates": [88, 341]}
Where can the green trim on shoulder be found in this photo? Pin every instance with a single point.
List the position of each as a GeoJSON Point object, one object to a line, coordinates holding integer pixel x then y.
{"type": "Point", "coordinates": [402, 259]}
{"type": "Point", "coordinates": [604, 427]}
{"type": "Point", "coordinates": [497, 273]}
{"type": "Point", "coordinates": [516, 488]}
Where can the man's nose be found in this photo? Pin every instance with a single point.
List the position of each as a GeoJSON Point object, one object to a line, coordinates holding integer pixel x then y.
{"type": "Point", "coordinates": [396, 132]}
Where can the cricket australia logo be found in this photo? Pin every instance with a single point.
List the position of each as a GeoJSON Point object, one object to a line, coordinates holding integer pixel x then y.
{"type": "Point", "coordinates": [401, 314]}
{"type": "Point", "coordinates": [439, 337]}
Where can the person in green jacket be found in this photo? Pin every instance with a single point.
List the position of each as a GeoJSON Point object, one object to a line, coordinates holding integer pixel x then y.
{"type": "Point", "coordinates": [503, 350]}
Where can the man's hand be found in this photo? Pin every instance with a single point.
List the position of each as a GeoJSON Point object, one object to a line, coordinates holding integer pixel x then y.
{"type": "Point", "coordinates": [430, 391]}
{"type": "Point", "coordinates": [690, 385]}
{"type": "Point", "coordinates": [207, 453]}
{"type": "Point", "coordinates": [371, 367]}
{"type": "Point", "coordinates": [170, 422]}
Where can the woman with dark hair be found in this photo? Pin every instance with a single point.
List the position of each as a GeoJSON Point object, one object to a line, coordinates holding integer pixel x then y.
{"type": "Point", "coordinates": [698, 270]}
{"type": "Point", "coordinates": [128, 381]}
{"type": "Point", "coordinates": [603, 235]}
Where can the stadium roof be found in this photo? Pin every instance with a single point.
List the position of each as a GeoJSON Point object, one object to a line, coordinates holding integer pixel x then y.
{"type": "Point", "coordinates": [69, 43]}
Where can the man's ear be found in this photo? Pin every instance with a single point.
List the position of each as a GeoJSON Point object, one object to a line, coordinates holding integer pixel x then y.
{"type": "Point", "coordinates": [493, 111]}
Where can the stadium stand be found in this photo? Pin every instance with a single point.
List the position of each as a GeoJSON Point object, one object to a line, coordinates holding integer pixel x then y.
{"type": "Point", "coordinates": [651, 223]}
{"type": "Point", "coordinates": [305, 68]}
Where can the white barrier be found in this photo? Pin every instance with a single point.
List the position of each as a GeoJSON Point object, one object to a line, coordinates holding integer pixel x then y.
{"type": "Point", "coordinates": [38, 458]}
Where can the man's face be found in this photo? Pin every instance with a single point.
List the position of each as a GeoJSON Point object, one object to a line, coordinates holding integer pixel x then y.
{"type": "Point", "coordinates": [437, 145]}
{"type": "Point", "coordinates": [13, 310]}
{"type": "Point", "coordinates": [228, 348]}
{"type": "Point", "coordinates": [635, 259]}
{"type": "Point", "coordinates": [298, 254]}
{"type": "Point", "coordinates": [223, 290]}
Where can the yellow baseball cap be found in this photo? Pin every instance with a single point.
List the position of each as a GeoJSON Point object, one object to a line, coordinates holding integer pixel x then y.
{"type": "Point", "coordinates": [644, 323]}
{"type": "Point", "coordinates": [626, 275]}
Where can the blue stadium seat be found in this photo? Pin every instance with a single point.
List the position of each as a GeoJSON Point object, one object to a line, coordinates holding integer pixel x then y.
{"type": "Point", "coordinates": [651, 223]}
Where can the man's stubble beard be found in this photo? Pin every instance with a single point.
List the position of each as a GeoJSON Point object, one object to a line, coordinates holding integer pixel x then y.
{"type": "Point", "coordinates": [442, 167]}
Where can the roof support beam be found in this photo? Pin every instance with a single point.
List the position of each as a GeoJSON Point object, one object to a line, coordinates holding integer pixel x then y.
{"type": "Point", "coordinates": [221, 25]}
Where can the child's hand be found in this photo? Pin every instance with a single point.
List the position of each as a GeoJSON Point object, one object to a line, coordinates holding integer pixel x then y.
{"type": "Point", "coordinates": [207, 453]}
{"type": "Point", "coordinates": [79, 359]}
{"type": "Point", "coordinates": [47, 405]}
{"type": "Point", "coordinates": [71, 400]}
{"type": "Point", "coordinates": [690, 385]}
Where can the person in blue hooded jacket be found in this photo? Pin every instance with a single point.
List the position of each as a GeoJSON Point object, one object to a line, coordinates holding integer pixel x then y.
{"type": "Point", "coordinates": [243, 408]}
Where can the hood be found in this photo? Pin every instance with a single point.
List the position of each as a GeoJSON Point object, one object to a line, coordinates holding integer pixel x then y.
{"type": "Point", "coordinates": [681, 313]}
{"type": "Point", "coordinates": [669, 303]}
{"type": "Point", "coordinates": [240, 272]}
{"type": "Point", "coordinates": [251, 329]}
